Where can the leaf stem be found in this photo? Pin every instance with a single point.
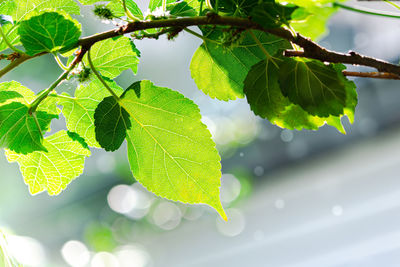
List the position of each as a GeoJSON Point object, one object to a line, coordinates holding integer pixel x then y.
{"type": "Point", "coordinates": [33, 106]}
{"type": "Point", "coordinates": [164, 5]}
{"type": "Point", "coordinates": [366, 11]}
{"type": "Point", "coordinates": [100, 78]}
{"type": "Point", "coordinates": [5, 39]}
{"type": "Point", "coordinates": [59, 62]}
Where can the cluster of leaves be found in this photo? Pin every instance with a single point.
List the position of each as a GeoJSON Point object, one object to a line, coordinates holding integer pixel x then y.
{"type": "Point", "coordinates": [170, 150]}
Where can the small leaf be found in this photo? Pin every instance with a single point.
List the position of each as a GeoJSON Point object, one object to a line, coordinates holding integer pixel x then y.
{"type": "Point", "coordinates": [49, 32]}
{"type": "Point", "coordinates": [79, 110]}
{"type": "Point", "coordinates": [112, 56]}
{"type": "Point", "coordinates": [170, 150]}
{"type": "Point", "coordinates": [118, 10]}
{"type": "Point", "coordinates": [219, 72]}
{"type": "Point", "coordinates": [20, 131]}
{"type": "Point", "coordinates": [266, 100]}
{"type": "Point", "coordinates": [55, 169]}
{"type": "Point", "coordinates": [111, 123]}
{"type": "Point", "coordinates": [313, 85]}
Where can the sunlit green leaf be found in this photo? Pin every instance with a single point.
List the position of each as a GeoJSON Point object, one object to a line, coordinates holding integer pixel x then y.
{"type": "Point", "coordinates": [314, 86]}
{"type": "Point", "coordinates": [111, 123]}
{"type": "Point", "coordinates": [49, 32]}
{"type": "Point", "coordinates": [22, 9]}
{"type": "Point", "coordinates": [113, 56]}
{"type": "Point", "coordinates": [79, 110]}
{"type": "Point", "coordinates": [20, 131]}
{"type": "Point", "coordinates": [118, 10]}
{"type": "Point", "coordinates": [170, 150]}
{"type": "Point", "coordinates": [55, 169]}
{"type": "Point", "coordinates": [219, 72]}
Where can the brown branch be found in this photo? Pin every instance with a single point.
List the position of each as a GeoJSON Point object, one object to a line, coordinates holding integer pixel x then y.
{"type": "Point", "coordinates": [311, 49]}
{"type": "Point", "coordinates": [314, 51]}
{"type": "Point", "coordinates": [375, 75]}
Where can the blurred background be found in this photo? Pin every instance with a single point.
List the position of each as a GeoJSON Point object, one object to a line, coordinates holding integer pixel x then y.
{"type": "Point", "coordinates": [293, 198]}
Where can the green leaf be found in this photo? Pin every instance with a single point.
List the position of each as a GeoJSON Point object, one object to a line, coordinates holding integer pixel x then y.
{"type": "Point", "coordinates": [266, 100]}
{"type": "Point", "coordinates": [21, 10]}
{"type": "Point", "coordinates": [20, 131]}
{"type": "Point", "coordinates": [49, 32]}
{"type": "Point", "coordinates": [219, 72]}
{"type": "Point", "coordinates": [55, 169]}
{"type": "Point", "coordinates": [79, 110]}
{"type": "Point", "coordinates": [272, 15]}
{"type": "Point", "coordinates": [170, 150]}
{"type": "Point", "coordinates": [313, 26]}
{"type": "Point", "coordinates": [113, 56]}
{"type": "Point", "coordinates": [314, 86]}
{"type": "Point", "coordinates": [111, 123]}
{"type": "Point", "coordinates": [118, 10]}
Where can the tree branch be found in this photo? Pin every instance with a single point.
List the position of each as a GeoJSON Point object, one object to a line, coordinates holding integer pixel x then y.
{"type": "Point", "coordinates": [311, 49]}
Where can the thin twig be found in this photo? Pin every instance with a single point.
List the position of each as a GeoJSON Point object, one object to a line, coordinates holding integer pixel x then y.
{"type": "Point", "coordinates": [375, 75]}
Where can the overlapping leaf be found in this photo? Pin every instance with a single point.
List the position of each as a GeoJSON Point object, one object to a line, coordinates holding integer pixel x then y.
{"type": "Point", "coordinates": [264, 95]}
{"type": "Point", "coordinates": [314, 86]}
{"type": "Point", "coordinates": [219, 72]}
{"type": "Point", "coordinates": [169, 149]}
{"type": "Point", "coordinates": [111, 123]}
{"type": "Point", "coordinates": [272, 15]}
{"type": "Point", "coordinates": [49, 32]}
{"type": "Point", "coordinates": [55, 169]}
{"type": "Point", "coordinates": [20, 131]}
{"type": "Point", "coordinates": [113, 56]}
{"type": "Point", "coordinates": [79, 110]}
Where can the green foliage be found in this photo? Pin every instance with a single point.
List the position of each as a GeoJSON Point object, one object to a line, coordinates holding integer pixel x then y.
{"type": "Point", "coordinates": [220, 71]}
{"type": "Point", "coordinates": [79, 110]}
{"type": "Point", "coordinates": [55, 168]}
{"type": "Point", "coordinates": [111, 122]}
{"type": "Point", "coordinates": [272, 15]}
{"type": "Point", "coordinates": [313, 85]}
{"type": "Point", "coordinates": [49, 32]}
{"type": "Point", "coordinates": [170, 150]}
{"type": "Point", "coordinates": [112, 56]}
